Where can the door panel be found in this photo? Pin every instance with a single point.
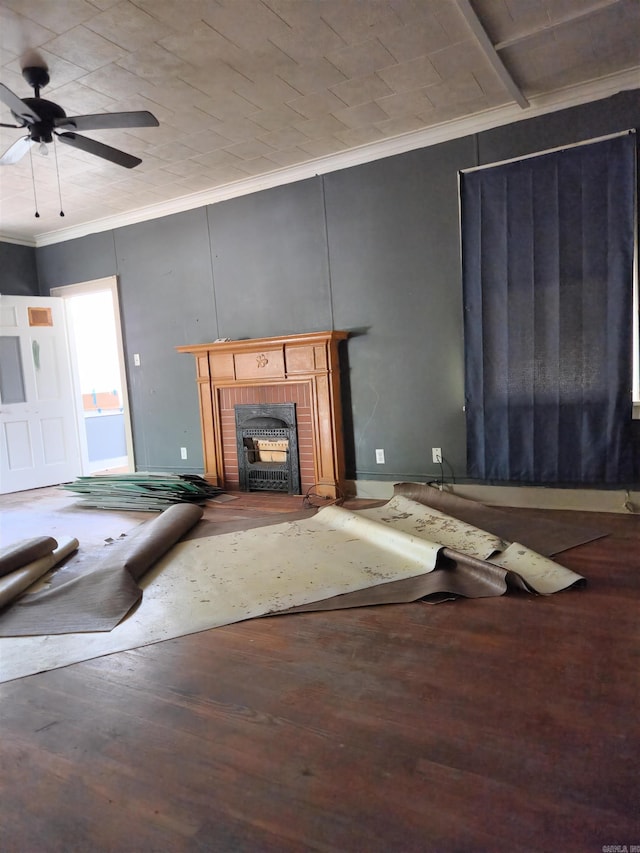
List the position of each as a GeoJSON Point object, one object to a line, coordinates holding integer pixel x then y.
{"type": "Point", "coordinates": [38, 437]}
{"type": "Point", "coordinates": [11, 372]}
{"type": "Point", "coordinates": [18, 440]}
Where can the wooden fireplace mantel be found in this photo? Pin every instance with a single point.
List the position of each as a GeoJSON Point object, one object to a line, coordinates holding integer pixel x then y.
{"type": "Point", "coordinates": [309, 360]}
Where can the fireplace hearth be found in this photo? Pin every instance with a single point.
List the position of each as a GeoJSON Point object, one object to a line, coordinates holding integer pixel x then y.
{"type": "Point", "coordinates": [267, 442]}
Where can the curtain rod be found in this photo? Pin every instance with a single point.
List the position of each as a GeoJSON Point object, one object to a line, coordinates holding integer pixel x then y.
{"type": "Point", "coordinates": [547, 151]}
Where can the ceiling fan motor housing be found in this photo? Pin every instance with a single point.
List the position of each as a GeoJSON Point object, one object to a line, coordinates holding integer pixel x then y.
{"type": "Point", "coordinates": [36, 76]}
{"type": "Point", "coordinates": [41, 131]}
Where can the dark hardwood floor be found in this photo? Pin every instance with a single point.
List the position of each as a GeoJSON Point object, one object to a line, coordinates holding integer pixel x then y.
{"type": "Point", "coordinates": [507, 724]}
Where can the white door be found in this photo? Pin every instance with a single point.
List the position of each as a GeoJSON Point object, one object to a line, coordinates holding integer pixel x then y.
{"type": "Point", "coordinates": [38, 435]}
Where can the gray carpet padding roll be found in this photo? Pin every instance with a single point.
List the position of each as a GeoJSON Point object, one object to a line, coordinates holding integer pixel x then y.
{"type": "Point", "coordinates": [25, 551]}
{"type": "Point", "coordinates": [96, 596]}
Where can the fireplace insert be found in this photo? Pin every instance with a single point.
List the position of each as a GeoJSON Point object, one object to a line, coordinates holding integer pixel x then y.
{"type": "Point", "coordinates": [267, 441]}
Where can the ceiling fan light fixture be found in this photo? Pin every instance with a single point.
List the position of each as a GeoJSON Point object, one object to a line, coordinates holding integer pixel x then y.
{"type": "Point", "coordinates": [42, 149]}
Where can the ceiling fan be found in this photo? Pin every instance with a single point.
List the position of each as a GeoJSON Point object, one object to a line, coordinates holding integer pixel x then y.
{"type": "Point", "coordinates": [43, 120]}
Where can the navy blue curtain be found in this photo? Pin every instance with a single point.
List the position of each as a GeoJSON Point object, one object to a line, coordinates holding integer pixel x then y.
{"type": "Point", "coordinates": [547, 255]}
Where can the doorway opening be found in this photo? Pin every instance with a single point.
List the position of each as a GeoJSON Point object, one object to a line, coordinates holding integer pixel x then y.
{"type": "Point", "coordinates": [97, 359]}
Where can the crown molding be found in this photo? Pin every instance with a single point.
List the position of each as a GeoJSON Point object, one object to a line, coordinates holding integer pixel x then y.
{"type": "Point", "coordinates": [561, 99]}
{"type": "Point", "coordinates": [17, 241]}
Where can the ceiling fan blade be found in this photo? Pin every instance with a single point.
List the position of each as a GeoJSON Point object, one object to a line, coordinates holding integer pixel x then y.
{"type": "Point", "coordinates": [16, 151]}
{"type": "Point", "coordinates": [92, 146]}
{"type": "Point", "coordinates": [109, 121]}
{"type": "Point", "coordinates": [17, 105]}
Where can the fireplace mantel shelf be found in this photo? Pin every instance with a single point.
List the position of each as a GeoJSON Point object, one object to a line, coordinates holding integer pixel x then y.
{"type": "Point", "coordinates": [307, 364]}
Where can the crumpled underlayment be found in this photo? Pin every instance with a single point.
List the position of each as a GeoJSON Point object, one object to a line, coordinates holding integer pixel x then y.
{"type": "Point", "coordinates": [337, 558]}
{"type": "Point", "coordinates": [545, 536]}
{"type": "Point", "coordinates": [540, 574]}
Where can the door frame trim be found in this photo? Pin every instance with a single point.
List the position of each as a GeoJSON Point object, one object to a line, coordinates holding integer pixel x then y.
{"type": "Point", "coordinates": [81, 289]}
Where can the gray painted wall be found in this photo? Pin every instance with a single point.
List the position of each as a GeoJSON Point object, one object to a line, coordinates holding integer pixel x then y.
{"type": "Point", "coordinates": [395, 273]}
{"type": "Point", "coordinates": [270, 265]}
{"type": "Point", "coordinates": [166, 300]}
{"type": "Point", "coordinates": [18, 273]}
{"type": "Point", "coordinates": [87, 259]}
{"type": "Point", "coordinates": [373, 249]}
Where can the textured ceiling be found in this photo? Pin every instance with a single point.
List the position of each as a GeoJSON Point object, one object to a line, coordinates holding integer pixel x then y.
{"type": "Point", "coordinates": [243, 88]}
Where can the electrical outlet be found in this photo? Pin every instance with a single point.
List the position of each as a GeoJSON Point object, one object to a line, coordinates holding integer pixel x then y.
{"type": "Point", "coordinates": [380, 456]}
{"type": "Point", "coordinates": [436, 454]}
{"type": "Point", "coordinates": [136, 359]}
{"type": "Point", "coordinates": [183, 453]}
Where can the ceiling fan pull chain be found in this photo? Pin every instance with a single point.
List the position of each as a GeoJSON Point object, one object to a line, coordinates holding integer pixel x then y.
{"type": "Point", "coordinates": [55, 151]}
{"type": "Point", "coordinates": [33, 181]}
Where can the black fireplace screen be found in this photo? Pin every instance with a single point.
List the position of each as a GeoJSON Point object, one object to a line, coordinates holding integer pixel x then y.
{"type": "Point", "coordinates": [267, 441]}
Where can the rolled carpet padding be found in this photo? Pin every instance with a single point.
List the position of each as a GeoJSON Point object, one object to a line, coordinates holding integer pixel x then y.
{"type": "Point", "coordinates": [25, 551]}
{"type": "Point", "coordinates": [96, 597]}
{"type": "Point", "coordinates": [13, 584]}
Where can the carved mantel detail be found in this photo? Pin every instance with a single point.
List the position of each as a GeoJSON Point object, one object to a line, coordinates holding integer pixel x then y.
{"type": "Point", "coordinates": [309, 360]}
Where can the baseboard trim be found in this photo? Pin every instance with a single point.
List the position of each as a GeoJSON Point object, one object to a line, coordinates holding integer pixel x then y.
{"type": "Point", "coordinates": [587, 500]}
{"type": "Point", "coordinates": [108, 464]}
